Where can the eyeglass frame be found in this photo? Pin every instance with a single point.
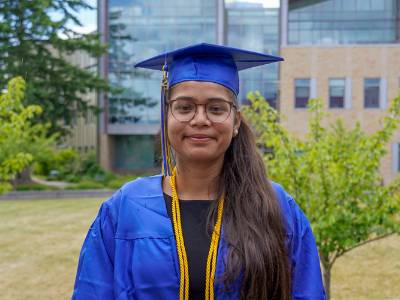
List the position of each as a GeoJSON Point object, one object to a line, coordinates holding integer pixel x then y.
{"type": "Point", "coordinates": [231, 104]}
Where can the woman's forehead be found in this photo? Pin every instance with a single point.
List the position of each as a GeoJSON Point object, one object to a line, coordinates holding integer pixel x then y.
{"type": "Point", "coordinates": [201, 90]}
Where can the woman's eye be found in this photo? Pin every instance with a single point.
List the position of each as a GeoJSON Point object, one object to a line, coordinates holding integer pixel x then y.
{"type": "Point", "coordinates": [184, 108]}
{"type": "Point", "coordinates": [217, 109]}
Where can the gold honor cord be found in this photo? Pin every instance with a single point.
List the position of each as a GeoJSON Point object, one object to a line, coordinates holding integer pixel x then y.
{"type": "Point", "coordinates": [212, 254]}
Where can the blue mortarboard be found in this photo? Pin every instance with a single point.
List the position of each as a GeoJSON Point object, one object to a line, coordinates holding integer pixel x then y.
{"type": "Point", "coordinates": [207, 62]}
{"type": "Point", "coordinates": [200, 62]}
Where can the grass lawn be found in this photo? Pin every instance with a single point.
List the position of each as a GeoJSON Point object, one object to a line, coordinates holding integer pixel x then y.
{"type": "Point", "coordinates": [40, 243]}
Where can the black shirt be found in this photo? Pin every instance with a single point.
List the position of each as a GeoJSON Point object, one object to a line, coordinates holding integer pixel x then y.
{"type": "Point", "coordinates": [197, 241]}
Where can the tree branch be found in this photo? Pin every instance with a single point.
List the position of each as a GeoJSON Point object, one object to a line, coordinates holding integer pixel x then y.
{"type": "Point", "coordinates": [363, 243]}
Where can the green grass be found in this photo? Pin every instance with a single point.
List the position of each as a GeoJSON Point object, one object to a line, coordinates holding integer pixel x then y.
{"type": "Point", "coordinates": [39, 246]}
{"type": "Point", "coordinates": [371, 272]}
{"type": "Point", "coordinates": [40, 242]}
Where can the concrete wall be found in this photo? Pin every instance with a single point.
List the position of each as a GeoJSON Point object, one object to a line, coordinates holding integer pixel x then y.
{"type": "Point", "coordinates": [106, 151]}
{"type": "Point", "coordinates": [84, 130]}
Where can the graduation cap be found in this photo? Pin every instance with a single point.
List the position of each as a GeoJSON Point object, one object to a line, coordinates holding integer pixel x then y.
{"type": "Point", "coordinates": [200, 62]}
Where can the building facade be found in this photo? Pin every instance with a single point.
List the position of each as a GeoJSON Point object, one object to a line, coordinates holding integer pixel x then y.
{"type": "Point", "coordinates": [134, 30]}
{"type": "Point", "coordinates": [347, 53]}
{"type": "Point", "coordinates": [83, 131]}
{"type": "Point", "coordinates": [251, 25]}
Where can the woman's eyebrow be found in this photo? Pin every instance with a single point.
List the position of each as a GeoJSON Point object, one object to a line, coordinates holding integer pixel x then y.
{"type": "Point", "coordinates": [184, 98]}
{"type": "Point", "coordinates": [218, 98]}
{"type": "Point", "coordinates": [195, 99]}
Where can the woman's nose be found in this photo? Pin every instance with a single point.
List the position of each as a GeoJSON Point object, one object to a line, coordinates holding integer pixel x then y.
{"type": "Point", "coordinates": [200, 116]}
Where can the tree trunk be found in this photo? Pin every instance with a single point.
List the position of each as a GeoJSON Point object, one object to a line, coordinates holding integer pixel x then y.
{"type": "Point", "coordinates": [326, 275]}
{"type": "Point", "coordinates": [327, 281]}
{"type": "Point", "coordinates": [23, 178]}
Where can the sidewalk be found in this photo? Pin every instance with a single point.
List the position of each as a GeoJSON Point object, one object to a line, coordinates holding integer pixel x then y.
{"type": "Point", "coordinates": [60, 194]}
{"type": "Point", "coordinates": [57, 184]}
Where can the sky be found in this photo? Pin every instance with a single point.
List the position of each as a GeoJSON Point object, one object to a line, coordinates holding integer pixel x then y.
{"type": "Point", "coordinates": [265, 3]}
{"type": "Point", "coordinates": [89, 17]}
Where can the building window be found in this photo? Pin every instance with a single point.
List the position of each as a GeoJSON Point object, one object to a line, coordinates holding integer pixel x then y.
{"type": "Point", "coordinates": [302, 93]}
{"type": "Point", "coordinates": [253, 26]}
{"type": "Point", "coordinates": [337, 89]}
{"type": "Point", "coordinates": [398, 160]}
{"type": "Point", "coordinates": [372, 92]}
{"type": "Point", "coordinates": [342, 21]}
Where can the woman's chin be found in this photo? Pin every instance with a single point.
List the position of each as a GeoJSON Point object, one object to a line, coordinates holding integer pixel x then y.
{"type": "Point", "coordinates": [200, 156]}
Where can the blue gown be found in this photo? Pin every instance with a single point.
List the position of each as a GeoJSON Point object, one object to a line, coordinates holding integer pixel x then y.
{"type": "Point", "coordinates": [130, 249]}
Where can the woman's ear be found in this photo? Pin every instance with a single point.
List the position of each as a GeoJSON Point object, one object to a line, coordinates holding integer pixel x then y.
{"type": "Point", "coordinates": [237, 122]}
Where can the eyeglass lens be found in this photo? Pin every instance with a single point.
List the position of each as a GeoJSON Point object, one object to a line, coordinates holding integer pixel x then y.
{"type": "Point", "coordinates": [185, 110]}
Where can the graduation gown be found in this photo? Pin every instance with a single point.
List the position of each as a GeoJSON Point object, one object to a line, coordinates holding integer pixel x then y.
{"type": "Point", "coordinates": [130, 249]}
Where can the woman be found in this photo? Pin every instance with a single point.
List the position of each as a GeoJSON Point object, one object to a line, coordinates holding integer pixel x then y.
{"type": "Point", "coordinates": [212, 226]}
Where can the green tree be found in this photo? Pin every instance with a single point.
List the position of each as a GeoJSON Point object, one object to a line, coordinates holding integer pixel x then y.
{"type": "Point", "coordinates": [35, 39]}
{"type": "Point", "coordinates": [20, 140]}
{"type": "Point", "coordinates": [333, 173]}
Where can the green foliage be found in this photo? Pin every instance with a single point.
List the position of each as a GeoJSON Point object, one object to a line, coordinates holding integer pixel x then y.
{"type": "Point", "coordinates": [83, 170]}
{"type": "Point", "coordinates": [20, 134]}
{"type": "Point", "coordinates": [333, 174]}
{"type": "Point", "coordinates": [64, 161]}
{"type": "Point", "coordinates": [16, 132]}
{"type": "Point", "coordinates": [35, 187]}
{"type": "Point", "coordinates": [116, 182]}
{"type": "Point", "coordinates": [69, 165]}
{"type": "Point", "coordinates": [35, 40]}
{"type": "Point", "coordinates": [20, 140]}
{"type": "Point", "coordinates": [88, 184]}
{"type": "Point", "coordinates": [119, 181]}
{"type": "Point", "coordinates": [91, 168]}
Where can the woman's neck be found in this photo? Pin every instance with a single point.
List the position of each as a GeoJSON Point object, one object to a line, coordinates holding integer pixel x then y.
{"type": "Point", "coordinates": [196, 181]}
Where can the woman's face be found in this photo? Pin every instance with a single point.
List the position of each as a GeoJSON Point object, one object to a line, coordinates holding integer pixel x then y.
{"type": "Point", "coordinates": [201, 140]}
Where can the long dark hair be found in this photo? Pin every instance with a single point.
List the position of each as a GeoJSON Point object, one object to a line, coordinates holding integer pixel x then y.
{"type": "Point", "coordinates": [253, 223]}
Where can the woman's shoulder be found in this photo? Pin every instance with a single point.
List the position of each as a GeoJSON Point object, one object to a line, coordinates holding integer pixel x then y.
{"type": "Point", "coordinates": [148, 186]}
{"type": "Point", "coordinates": [138, 204]}
{"type": "Point", "coordinates": [284, 198]}
{"type": "Point", "coordinates": [136, 189]}
{"type": "Point", "coordinates": [296, 220]}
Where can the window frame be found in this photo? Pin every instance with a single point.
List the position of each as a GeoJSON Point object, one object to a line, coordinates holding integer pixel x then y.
{"type": "Point", "coordinates": [378, 94]}
{"type": "Point", "coordinates": [298, 99]}
{"type": "Point", "coordinates": [343, 79]}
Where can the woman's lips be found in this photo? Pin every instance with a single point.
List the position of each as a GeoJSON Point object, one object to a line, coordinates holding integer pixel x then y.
{"type": "Point", "coordinates": [199, 138]}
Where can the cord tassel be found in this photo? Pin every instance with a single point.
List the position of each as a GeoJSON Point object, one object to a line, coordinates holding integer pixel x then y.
{"type": "Point", "coordinates": [167, 164]}
{"type": "Point", "coordinates": [180, 245]}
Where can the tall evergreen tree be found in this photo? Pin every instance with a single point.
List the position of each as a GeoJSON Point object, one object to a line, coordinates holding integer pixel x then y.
{"type": "Point", "coordinates": [35, 39]}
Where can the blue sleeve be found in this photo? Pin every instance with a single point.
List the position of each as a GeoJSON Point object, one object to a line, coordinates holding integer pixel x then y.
{"type": "Point", "coordinates": [94, 278]}
{"type": "Point", "coordinates": [306, 271]}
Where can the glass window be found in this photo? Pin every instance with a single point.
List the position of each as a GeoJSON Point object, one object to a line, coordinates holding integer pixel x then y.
{"type": "Point", "coordinates": [137, 32]}
{"type": "Point", "coordinates": [371, 92]}
{"type": "Point", "coordinates": [342, 21]}
{"type": "Point", "coordinates": [134, 152]}
{"type": "Point", "coordinates": [398, 156]}
{"type": "Point", "coordinates": [337, 88]}
{"type": "Point", "coordinates": [363, 5]}
{"type": "Point", "coordinates": [254, 27]}
{"type": "Point", "coordinates": [302, 93]}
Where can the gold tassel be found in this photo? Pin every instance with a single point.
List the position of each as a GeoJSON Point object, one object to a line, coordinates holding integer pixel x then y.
{"type": "Point", "coordinates": [180, 245]}
{"type": "Point", "coordinates": [167, 163]}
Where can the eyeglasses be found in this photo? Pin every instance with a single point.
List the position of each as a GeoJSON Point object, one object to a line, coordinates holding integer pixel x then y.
{"type": "Point", "coordinates": [217, 111]}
